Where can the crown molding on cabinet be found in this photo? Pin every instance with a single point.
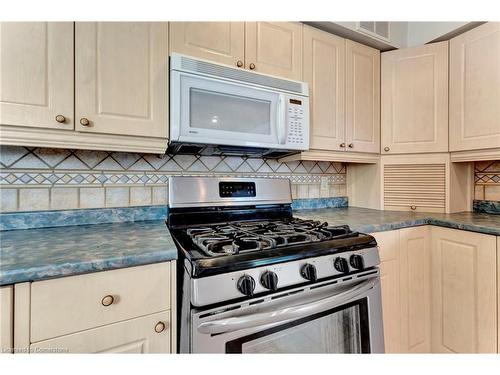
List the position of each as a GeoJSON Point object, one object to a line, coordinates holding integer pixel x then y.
{"type": "Point", "coordinates": [335, 156]}
{"type": "Point", "coordinates": [40, 137]}
{"type": "Point", "coordinates": [476, 155]}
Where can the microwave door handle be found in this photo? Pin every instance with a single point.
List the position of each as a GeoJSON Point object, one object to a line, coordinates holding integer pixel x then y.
{"type": "Point", "coordinates": [286, 314]}
{"type": "Point", "coordinates": [281, 128]}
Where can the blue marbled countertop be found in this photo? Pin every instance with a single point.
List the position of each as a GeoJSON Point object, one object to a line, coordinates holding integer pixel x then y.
{"type": "Point", "coordinates": [369, 221]}
{"type": "Point", "coordinates": [36, 254]}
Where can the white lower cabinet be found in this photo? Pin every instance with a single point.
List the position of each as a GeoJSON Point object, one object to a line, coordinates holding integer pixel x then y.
{"type": "Point", "coordinates": [464, 292]}
{"type": "Point", "coordinates": [6, 319]}
{"type": "Point", "coordinates": [148, 334]}
{"type": "Point", "coordinates": [440, 289]}
{"type": "Point", "coordinates": [128, 310]}
{"type": "Point", "coordinates": [405, 279]}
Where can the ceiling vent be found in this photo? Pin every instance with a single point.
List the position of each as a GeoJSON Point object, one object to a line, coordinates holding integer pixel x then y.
{"type": "Point", "coordinates": [376, 29]}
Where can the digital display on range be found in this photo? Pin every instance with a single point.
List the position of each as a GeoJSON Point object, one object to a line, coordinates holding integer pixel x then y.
{"type": "Point", "coordinates": [296, 101]}
{"type": "Point", "coordinates": [234, 189]}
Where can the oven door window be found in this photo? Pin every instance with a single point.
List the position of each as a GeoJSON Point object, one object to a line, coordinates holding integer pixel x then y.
{"type": "Point", "coordinates": [340, 330]}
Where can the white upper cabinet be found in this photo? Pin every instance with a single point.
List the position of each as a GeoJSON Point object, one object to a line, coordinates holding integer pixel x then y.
{"type": "Point", "coordinates": [414, 104]}
{"type": "Point", "coordinates": [475, 89]}
{"type": "Point", "coordinates": [324, 67]}
{"type": "Point", "coordinates": [36, 74]}
{"type": "Point", "coordinates": [362, 92]}
{"type": "Point", "coordinates": [122, 78]}
{"type": "Point", "coordinates": [222, 42]}
{"type": "Point", "coordinates": [274, 48]}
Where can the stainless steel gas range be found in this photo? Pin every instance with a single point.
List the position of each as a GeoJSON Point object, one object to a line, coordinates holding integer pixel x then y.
{"type": "Point", "coordinates": [254, 279]}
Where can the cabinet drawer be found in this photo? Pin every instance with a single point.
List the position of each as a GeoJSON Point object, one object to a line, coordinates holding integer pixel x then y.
{"type": "Point", "coordinates": [131, 336]}
{"type": "Point", "coordinates": [72, 304]}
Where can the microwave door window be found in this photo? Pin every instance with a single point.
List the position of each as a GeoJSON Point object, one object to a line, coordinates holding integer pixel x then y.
{"type": "Point", "coordinates": [229, 113]}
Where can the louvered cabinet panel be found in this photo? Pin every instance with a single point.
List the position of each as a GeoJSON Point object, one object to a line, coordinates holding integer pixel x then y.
{"type": "Point", "coordinates": [415, 187]}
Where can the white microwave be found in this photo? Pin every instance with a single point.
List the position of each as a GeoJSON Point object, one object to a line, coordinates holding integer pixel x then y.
{"type": "Point", "coordinates": [217, 109]}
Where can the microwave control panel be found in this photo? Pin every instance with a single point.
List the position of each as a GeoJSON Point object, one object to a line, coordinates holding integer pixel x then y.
{"type": "Point", "coordinates": [296, 120]}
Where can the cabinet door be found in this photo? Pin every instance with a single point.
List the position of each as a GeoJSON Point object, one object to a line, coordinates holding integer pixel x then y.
{"type": "Point", "coordinates": [415, 290]}
{"type": "Point", "coordinates": [388, 243]}
{"type": "Point", "coordinates": [274, 48]}
{"type": "Point", "coordinates": [362, 95]}
{"type": "Point", "coordinates": [324, 59]}
{"type": "Point", "coordinates": [414, 103]}
{"type": "Point", "coordinates": [475, 88]}
{"type": "Point", "coordinates": [464, 295]}
{"type": "Point", "coordinates": [498, 290]}
{"type": "Point", "coordinates": [122, 78]}
{"type": "Point", "coordinates": [130, 336]}
{"type": "Point", "coordinates": [36, 74]}
{"type": "Point", "coordinates": [6, 319]}
{"type": "Point", "coordinates": [222, 42]}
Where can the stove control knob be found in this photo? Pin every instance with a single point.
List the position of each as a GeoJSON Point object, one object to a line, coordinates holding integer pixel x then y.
{"type": "Point", "coordinates": [308, 272]}
{"type": "Point", "coordinates": [246, 285]}
{"type": "Point", "coordinates": [341, 265]}
{"type": "Point", "coordinates": [357, 261]}
{"type": "Point", "coordinates": [269, 280]}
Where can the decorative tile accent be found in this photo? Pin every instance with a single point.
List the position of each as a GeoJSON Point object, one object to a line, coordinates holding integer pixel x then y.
{"type": "Point", "coordinates": [487, 181]}
{"type": "Point", "coordinates": [95, 175]}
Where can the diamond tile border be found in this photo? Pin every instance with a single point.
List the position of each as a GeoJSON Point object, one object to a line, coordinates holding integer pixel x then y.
{"type": "Point", "coordinates": [98, 176]}
{"type": "Point", "coordinates": [487, 172]}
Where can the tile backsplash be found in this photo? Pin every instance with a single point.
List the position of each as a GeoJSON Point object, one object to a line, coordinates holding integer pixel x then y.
{"type": "Point", "coordinates": [33, 179]}
{"type": "Point", "coordinates": [487, 180]}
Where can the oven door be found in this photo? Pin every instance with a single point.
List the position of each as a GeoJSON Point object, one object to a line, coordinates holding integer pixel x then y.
{"type": "Point", "coordinates": [344, 317]}
{"type": "Point", "coordinates": [213, 111]}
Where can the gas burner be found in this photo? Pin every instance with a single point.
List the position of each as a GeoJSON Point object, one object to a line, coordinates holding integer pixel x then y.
{"type": "Point", "coordinates": [253, 236]}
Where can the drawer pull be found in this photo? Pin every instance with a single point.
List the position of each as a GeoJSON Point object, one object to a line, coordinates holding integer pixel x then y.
{"type": "Point", "coordinates": [85, 121]}
{"type": "Point", "coordinates": [386, 149]}
{"type": "Point", "coordinates": [160, 327]}
{"type": "Point", "coordinates": [60, 119]}
{"type": "Point", "coordinates": [413, 207]}
{"type": "Point", "coordinates": [108, 300]}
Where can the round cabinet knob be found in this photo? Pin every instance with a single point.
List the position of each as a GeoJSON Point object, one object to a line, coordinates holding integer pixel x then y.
{"type": "Point", "coordinates": [357, 261]}
{"type": "Point", "coordinates": [252, 66]}
{"type": "Point", "coordinates": [84, 121]}
{"type": "Point", "coordinates": [246, 285]}
{"type": "Point", "coordinates": [160, 327]}
{"type": "Point", "coordinates": [239, 63]}
{"type": "Point", "coordinates": [269, 280]}
{"type": "Point", "coordinates": [342, 145]}
{"type": "Point", "coordinates": [60, 119]}
{"type": "Point", "coordinates": [107, 300]}
{"type": "Point", "coordinates": [386, 149]}
{"type": "Point", "coordinates": [351, 145]}
{"type": "Point", "coordinates": [308, 272]}
{"type": "Point", "coordinates": [341, 265]}
{"type": "Point", "coordinates": [413, 207]}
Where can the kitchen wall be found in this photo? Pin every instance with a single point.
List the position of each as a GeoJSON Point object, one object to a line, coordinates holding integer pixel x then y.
{"type": "Point", "coordinates": [487, 180]}
{"type": "Point", "coordinates": [34, 179]}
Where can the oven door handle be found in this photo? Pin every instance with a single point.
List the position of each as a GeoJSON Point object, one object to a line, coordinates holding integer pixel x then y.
{"type": "Point", "coordinates": [287, 313]}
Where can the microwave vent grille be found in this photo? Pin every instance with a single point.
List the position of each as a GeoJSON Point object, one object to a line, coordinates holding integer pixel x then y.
{"type": "Point", "coordinates": [240, 75]}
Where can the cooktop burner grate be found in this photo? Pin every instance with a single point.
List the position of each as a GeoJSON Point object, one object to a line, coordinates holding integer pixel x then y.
{"type": "Point", "coordinates": [250, 236]}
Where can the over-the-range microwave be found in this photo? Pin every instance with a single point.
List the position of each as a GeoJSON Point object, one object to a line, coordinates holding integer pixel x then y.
{"type": "Point", "coordinates": [220, 110]}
